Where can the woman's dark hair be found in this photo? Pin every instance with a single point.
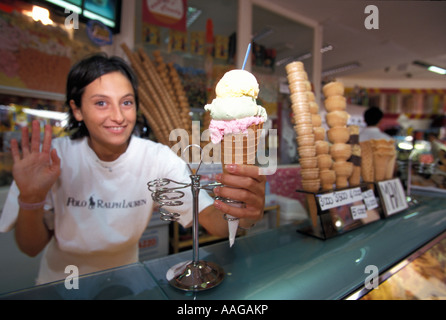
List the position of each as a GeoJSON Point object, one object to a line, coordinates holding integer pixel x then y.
{"type": "Point", "coordinates": [85, 72]}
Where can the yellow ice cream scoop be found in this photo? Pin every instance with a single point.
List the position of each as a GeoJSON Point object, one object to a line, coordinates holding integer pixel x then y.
{"type": "Point", "coordinates": [237, 83]}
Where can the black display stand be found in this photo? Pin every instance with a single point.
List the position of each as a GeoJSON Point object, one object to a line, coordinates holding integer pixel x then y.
{"type": "Point", "coordinates": [341, 210]}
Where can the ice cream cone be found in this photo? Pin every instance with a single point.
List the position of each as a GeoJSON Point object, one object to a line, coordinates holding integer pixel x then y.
{"type": "Point", "coordinates": [240, 148]}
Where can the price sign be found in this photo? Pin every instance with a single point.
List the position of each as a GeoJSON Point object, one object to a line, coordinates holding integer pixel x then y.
{"type": "Point", "coordinates": [339, 198]}
{"type": "Point", "coordinates": [393, 196]}
{"type": "Point", "coordinates": [358, 212]}
{"type": "Point", "coordinates": [369, 199]}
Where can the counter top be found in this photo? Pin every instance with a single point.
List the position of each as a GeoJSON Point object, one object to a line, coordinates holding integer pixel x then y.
{"type": "Point", "coordinates": [279, 263]}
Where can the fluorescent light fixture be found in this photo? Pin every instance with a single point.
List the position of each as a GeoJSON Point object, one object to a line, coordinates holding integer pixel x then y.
{"type": "Point", "coordinates": [192, 15]}
{"type": "Point", "coordinates": [61, 116]}
{"type": "Point", "coordinates": [430, 67]}
{"type": "Point", "coordinates": [437, 70]}
{"type": "Point", "coordinates": [67, 5]}
{"type": "Point", "coordinates": [340, 69]}
{"type": "Point", "coordinates": [303, 56]}
{"type": "Point", "coordinates": [94, 16]}
{"type": "Point", "coordinates": [262, 34]}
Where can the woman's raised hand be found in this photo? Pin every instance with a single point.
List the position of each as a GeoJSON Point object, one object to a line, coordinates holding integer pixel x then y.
{"type": "Point", "coordinates": [36, 169]}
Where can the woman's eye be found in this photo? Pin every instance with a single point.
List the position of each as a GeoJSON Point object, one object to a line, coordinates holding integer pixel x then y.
{"type": "Point", "coordinates": [100, 103]}
{"type": "Point", "coordinates": [128, 103]}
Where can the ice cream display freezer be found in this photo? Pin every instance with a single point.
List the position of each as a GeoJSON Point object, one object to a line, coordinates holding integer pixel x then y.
{"type": "Point", "coordinates": [277, 264]}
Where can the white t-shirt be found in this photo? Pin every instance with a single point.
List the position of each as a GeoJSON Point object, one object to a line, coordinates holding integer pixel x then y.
{"type": "Point", "coordinates": [100, 209]}
{"type": "Point", "coordinates": [372, 133]}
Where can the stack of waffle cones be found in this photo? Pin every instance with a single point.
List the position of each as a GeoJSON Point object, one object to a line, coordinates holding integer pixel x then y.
{"type": "Point", "coordinates": [300, 89]}
{"type": "Point", "coordinates": [162, 98]}
{"type": "Point", "coordinates": [378, 160]}
{"type": "Point", "coordinates": [338, 133]}
{"type": "Point", "coordinates": [308, 129]}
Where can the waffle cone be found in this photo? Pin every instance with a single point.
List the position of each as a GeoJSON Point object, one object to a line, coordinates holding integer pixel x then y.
{"type": "Point", "coordinates": [240, 148]}
{"type": "Point", "coordinates": [367, 168]}
{"type": "Point", "coordinates": [390, 167]}
{"type": "Point", "coordinates": [355, 178]}
{"type": "Point", "coordinates": [381, 163]}
{"type": "Point", "coordinates": [312, 209]}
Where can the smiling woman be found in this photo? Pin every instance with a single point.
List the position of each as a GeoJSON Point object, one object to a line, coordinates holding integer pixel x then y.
{"type": "Point", "coordinates": [84, 199]}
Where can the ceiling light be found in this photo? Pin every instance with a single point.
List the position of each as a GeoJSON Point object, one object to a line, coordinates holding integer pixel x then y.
{"type": "Point", "coordinates": [303, 56]}
{"type": "Point", "coordinates": [39, 14]}
{"type": "Point", "coordinates": [192, 15]}
{"type": "Point", "coordinates": [430, 67]}
{"type": "Point", "coordinates": [437, 70]}
{"type": "Point", "coordinates": [339, 69]}
{"type": "Point", "coordinates": [262, 34]}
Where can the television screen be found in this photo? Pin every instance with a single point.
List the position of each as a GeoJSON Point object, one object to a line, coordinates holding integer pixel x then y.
{"type": "Point", "coordinates": [106, 11]}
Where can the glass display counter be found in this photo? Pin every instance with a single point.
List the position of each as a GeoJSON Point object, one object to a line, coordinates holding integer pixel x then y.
{"type": "Point", "coordinates": [277, 264]}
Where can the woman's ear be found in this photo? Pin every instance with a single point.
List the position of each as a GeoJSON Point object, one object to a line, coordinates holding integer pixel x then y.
{"type": "Point", "coordinates": [76, 111]}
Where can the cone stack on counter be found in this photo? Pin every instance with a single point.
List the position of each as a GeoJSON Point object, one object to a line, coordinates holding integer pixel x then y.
{"type": "Point", "coordinates": [308, 129]}
{"type": "Point", "coordinates": [163, 101]}
{"type": "Point", "coordinates": [338, 133]}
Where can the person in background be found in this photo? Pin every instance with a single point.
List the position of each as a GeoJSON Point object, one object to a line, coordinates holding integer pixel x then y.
{"type": "Point", "coordinates": [83, 198]}
{"type": "Point", "coordinates": [372, 117]}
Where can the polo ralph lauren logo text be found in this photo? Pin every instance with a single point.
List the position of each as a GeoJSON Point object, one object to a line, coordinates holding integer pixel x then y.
{"type": "Point", "coordinates": [92, 203]}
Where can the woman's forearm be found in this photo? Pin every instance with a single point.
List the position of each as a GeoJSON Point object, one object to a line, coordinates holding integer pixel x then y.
{"type": "Point", "coordinates": [31, 233]}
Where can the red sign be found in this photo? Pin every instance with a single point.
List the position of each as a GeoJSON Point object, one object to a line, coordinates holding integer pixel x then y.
{"type": "Point", "coordinates": [165, 13]}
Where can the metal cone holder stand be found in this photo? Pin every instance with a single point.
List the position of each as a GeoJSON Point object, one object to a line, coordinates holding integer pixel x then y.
{"type": "Point", "coordinates": [195, 275]}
